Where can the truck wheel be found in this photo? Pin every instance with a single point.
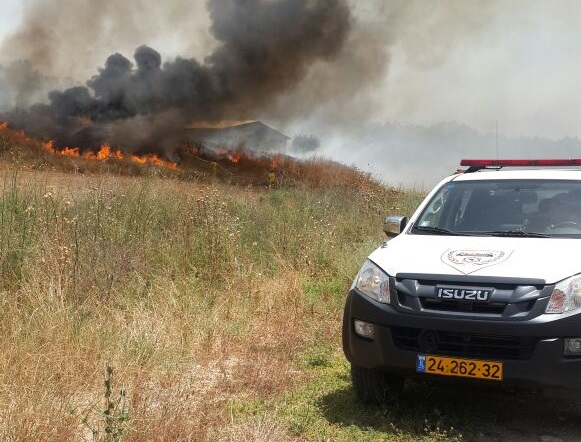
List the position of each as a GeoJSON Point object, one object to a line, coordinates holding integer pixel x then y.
{"type": "Point", "coordinates": [375, 386]}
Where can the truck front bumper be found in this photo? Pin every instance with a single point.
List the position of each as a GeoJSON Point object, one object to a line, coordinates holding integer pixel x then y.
{"type": "Point", "coordinates": [544, 363]}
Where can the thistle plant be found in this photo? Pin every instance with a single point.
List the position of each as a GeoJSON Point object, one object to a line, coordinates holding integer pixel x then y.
{"type": "Point", "coordinates": [113, 419]}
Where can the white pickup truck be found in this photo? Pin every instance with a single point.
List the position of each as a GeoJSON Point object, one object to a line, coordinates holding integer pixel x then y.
{"type": "Point", "coordinates": [484, 282]}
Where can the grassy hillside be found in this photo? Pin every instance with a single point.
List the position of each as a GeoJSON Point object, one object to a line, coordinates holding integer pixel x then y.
{"type": "Point", "coordinates": [157, 308]}
{"type": "Point", "coordinates": [141, 304]}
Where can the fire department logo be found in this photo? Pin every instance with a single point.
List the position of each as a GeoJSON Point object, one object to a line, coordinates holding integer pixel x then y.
{"type": "Point", "coordinates": [470, 261]}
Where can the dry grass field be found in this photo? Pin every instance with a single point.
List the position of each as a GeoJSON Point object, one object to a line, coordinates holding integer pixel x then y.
{"type": "Point", "coordinates": [182, 295]}
{"type": "Point", "coordinates": [153, 305]}
{"type": "Point", "coordinates": [193, 294]}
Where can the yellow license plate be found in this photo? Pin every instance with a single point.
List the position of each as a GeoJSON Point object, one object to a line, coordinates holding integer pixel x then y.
{"type": "Point", "coordinates": [466, 368]}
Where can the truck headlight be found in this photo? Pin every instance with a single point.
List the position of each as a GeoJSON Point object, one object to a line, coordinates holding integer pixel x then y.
{"type": "Point", "coordinates": [566, 296]}
{"type": "Point", "coordinates": [373, 282]}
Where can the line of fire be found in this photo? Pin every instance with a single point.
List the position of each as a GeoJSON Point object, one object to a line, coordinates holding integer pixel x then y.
{"type": "Point", "coordinates": [203, 140]}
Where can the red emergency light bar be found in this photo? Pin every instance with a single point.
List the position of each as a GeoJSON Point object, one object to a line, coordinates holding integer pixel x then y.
{"type": "Point", "coordinates": [502, 163]}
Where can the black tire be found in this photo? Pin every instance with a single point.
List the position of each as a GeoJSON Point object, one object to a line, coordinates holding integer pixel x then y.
{"type": "Point", "coordinates": [376, 386]}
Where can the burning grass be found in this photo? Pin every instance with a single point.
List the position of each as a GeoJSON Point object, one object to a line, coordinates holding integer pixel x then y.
{"type": "Point", "coordinates": [237, 166]}
{"type": "Point", "coordinates": [198, 295]}
{"type": "Point", "coordinates": [106, 153]}
{"type": "Point", "coordinates": [24, 152]}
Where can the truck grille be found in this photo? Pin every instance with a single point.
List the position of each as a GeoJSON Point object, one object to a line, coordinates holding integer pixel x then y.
{"type": "Point", "coordinates": [516, 299]}
{"type": "Point", "coordinates": [465, 344]}
{"type": "Point", "coordinates": [462, 306]}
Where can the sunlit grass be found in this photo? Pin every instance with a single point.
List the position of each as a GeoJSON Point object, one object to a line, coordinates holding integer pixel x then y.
{"type": "Point", "coordinates": [216, 306]}
{"type": "Point", "coordinates": [194, 294]}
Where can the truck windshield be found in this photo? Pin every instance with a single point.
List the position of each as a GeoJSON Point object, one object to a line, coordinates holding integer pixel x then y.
{"type": "Point", "coordinates": [535, 208]}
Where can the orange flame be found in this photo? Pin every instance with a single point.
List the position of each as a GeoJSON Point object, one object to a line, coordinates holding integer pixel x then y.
{"type": "Point", "coordinates": [103, 154]}
{"type": "Point", "coordinates": [275, 162]}
{"type": "Point", "coordinates": [69, 152]}
{"type": "Point", "coordinates": [49, 147]}
{"type": "Point", "coordinates": [138, 159]}
{"type": "Point", "coordinates": [232, 156]}
{"type": "Point", "coordinates": [106, 153]}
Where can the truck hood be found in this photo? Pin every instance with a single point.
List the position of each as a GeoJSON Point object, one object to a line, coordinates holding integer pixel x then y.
{"type": "Point", "coordinates": [550, 259]}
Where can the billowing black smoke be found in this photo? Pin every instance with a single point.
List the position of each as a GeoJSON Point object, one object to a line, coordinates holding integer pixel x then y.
{"type": "Point", "coordinates": [265, 48]}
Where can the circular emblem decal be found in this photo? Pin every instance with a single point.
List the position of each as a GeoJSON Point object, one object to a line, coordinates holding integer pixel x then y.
{"type": "Point", "coordinates": [475, 257]}
{"type": "Point", "coordinates": [470, 260]}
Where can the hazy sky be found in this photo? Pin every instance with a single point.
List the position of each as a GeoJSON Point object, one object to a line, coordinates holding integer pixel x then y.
{"type": "Point", "coordinates": [10, 16]}
{"type": "Point", "coordinates": [519, 64]}
{"type": "Point", "coordinates": [474, 62]}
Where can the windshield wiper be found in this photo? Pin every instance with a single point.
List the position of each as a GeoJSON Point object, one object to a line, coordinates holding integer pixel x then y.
{"type": "Point", "coordinates": [440, 231]}
{"type": "Point", "coordinates": [516, 233]}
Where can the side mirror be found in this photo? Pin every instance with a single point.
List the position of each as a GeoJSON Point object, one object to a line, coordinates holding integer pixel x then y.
{"type": "Point", "coordinates": [394, 225]}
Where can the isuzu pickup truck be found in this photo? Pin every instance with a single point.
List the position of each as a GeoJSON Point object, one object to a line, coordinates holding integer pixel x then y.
{"type": "Point", "coordinates": [482, 283]}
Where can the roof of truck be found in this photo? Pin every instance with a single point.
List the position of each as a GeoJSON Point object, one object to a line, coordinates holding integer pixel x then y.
{"type": "Point", "coordinates": [520, 174]}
